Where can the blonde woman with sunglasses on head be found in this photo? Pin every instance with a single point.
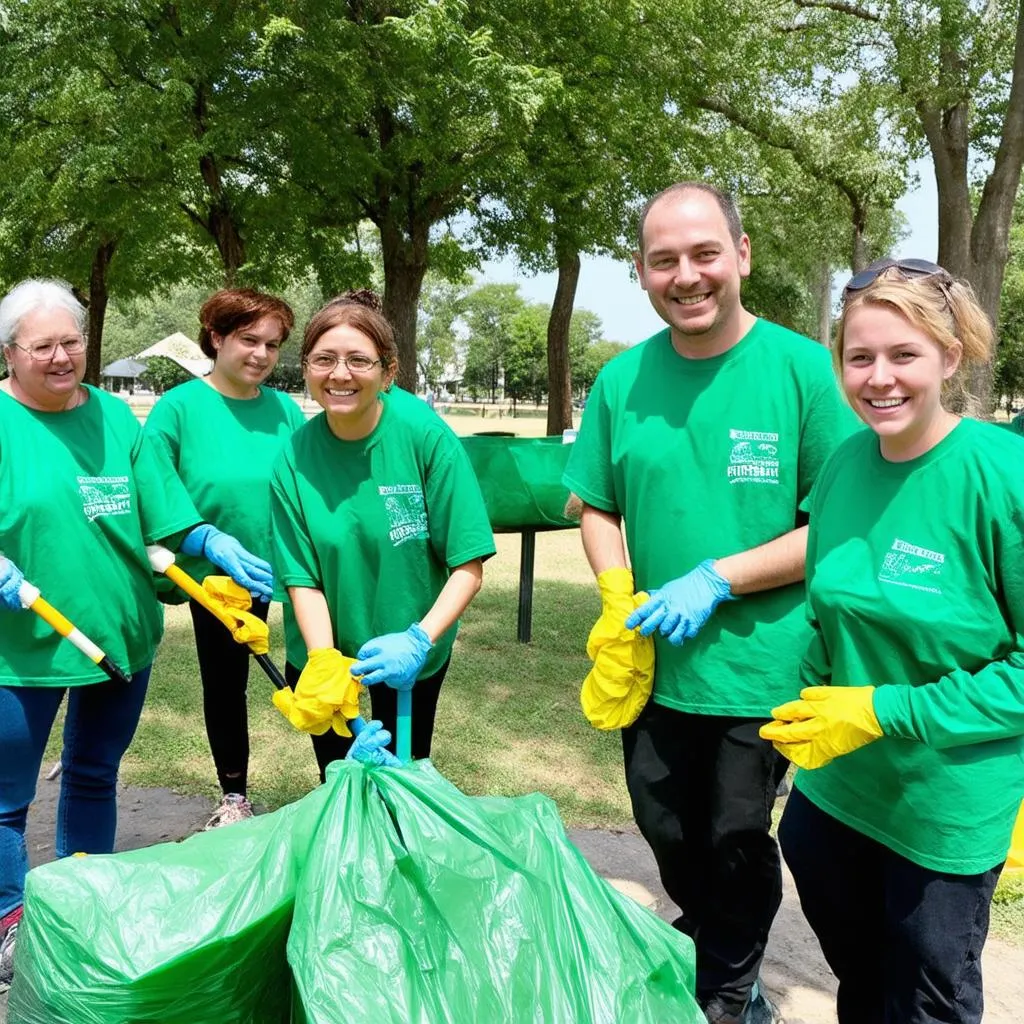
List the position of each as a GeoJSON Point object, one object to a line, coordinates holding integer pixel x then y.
{"type": "Point", "coordinates": [911, 725]}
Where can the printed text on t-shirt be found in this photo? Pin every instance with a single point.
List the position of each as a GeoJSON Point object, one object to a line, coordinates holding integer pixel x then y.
{"type": "Point", "coordinates": [407, 513]}
{"type": "Point", "coordinates": [104, 496]}
{"type": "Point", "coordinates": [753, 457]}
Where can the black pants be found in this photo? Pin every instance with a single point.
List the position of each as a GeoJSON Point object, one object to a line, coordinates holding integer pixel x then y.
{"type": "Point", "coordinates": [384, 705]}
{"type": "Point", "coordinates": [904, 941]}
{"type": "Point", "coordinates": [702, 788]}
{"type": "Point", "coordinates": [224, 671]}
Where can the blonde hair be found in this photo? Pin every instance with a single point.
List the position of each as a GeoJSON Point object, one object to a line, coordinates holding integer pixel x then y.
{"type": "Point", "coordinates": [943, 308]}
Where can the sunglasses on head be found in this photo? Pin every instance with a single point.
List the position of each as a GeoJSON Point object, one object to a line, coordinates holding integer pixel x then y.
{"type": "Point", "coordinates": [908, 268]}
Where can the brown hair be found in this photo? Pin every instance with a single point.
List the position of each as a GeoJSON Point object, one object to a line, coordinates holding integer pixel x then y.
{"type": "Point", "coordinates": [233, 308]}
{"type": "Point", "coordinates": [362, 310]}
{"type": "Point", "coordinates": [943, 308]}
{"type": "Point", "coordinates": [726, 203]}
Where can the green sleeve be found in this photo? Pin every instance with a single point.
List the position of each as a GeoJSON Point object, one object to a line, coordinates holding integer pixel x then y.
{"type": "Point", "coordinates": [828, 422]}
{"type": "Point", "coordinates": [965, 707]}
{"type": "Point", "coordinates": [815, 666]}
{"type": "Point", "coordinates": [162, 425]}
{"type": "Point", "coordinates": [165, 509]}
{"type": "Point", "coordinates": [459, 528]}
{"type": "Point", "coordinates": [292, 552]}
{"type": "Point", "coordinates": [588, 473]}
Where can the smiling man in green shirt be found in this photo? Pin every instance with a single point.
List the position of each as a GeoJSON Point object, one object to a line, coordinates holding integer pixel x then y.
{"type": "Point", "coordinates": [704, 441]}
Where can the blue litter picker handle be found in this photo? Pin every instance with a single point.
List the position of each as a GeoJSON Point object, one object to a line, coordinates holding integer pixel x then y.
{"type": "Point", "coordinates": [403, 741]}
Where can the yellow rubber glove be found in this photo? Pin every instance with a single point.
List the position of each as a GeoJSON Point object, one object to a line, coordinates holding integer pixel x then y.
{"type": "Point", "coordinates": [233, 602]}
{"type": "Point", "coordinates": [327, 696]}
{"type": "Point", "coordinates": [825, 723]}
{"type": "Point", "coordinates": [619, 685]}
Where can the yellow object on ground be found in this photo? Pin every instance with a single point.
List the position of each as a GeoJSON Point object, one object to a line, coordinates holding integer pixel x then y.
{"type": "Point", "coordinates": [619, 685]}
{"type": "Point", "coordinates": [1015, 859]}
{"type": "Point", "coordinates": [825, 723]}
{"type": "Point", "coordinates": [231, 603]}
{"type": "Point", "coordinates": [327, 696]}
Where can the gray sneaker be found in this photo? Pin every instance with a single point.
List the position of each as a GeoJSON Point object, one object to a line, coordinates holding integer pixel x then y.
{"type": "Point", "coordinates": [7, 957]}
{"type": "Point", "coordinates": [232, 808]}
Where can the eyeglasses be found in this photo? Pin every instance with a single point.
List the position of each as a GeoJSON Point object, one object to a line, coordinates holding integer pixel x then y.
{"type": "Point", "coordinates": [908, 268]}
{"type": "Point", "coordinates": [324, 362]}
{"type": "Point", "coordinates": [43, 351]}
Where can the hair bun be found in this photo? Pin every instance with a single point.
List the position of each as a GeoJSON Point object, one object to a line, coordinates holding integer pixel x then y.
{"type": "Point", "coordinates": [361, 297]}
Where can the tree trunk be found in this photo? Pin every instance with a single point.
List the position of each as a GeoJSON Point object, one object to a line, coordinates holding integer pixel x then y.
{"type": "Point", "coordinates": [559, 371]}
{"type": "Point", "coordinates": [220, 221]}
{"type": "Point", "coordinates": [97, 309]}
{"type": "Point", "coordinates": [977, 248]}
{"type": "Point", "coordinates": [405, 265]}
{"type": "Point", "coordinates": [823, 295]}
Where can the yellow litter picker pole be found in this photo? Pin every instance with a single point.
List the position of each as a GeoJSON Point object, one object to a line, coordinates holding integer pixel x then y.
{"type": "Point", "coordinates": [161, 560]}
{"type": "Point", "coordinates": [33, 600]}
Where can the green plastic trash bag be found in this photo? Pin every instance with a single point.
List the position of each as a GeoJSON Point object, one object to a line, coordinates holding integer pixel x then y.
{"type": "Point", "coordinates": [521, 480]}
{"type": "Point", "coordinates": [181, 933]}
{"type": "Point", "coordinates": [420, 905]}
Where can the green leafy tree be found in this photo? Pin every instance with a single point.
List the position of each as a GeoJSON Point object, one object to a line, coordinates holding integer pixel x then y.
{"type": "Point", "coordinates": [488, 312]}
{"type": "Point", "coordinates": [525, 360]}
{"type": "Point", "coordinates": [948, 75]}
{"type": "Point", "coordinates": [1009, 371]}
{"type": "Point", "coordinates": [401, 113]}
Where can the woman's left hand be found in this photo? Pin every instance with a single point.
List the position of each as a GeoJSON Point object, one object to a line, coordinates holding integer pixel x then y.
{"type": "Point", "coordinates": [825, 723]}
{"type": "Point", "coordinates": [246, 569]}
{"type": "Point", "coordinates": [395, 658]}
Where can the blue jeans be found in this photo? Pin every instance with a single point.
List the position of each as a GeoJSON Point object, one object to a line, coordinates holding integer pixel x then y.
{"type": "Point", "coordinates": [100, 723]}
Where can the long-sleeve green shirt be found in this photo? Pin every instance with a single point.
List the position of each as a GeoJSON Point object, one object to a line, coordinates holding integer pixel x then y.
{"type": "Point", "coordinates": [915, 576]}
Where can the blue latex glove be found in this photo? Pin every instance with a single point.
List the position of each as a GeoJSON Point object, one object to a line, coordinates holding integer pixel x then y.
{"type": "Point", "coordinates": [681, 607]}
{"type": "Point", "coordinates": [11, 579]}
{"type": "Point", "coordinates": [245, 568]}
{"type": "Point", "coordinates": [395, 658]}
{"type": "Point", "coordinates": [371, 747]}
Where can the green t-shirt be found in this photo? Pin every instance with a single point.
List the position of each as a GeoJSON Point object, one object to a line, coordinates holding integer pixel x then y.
{"type": "Point", "coordinates": [377, 524]}
{"type": "Point", "coordinates": [81, 495]}
{"type": "Point", "coordinates": [916, 585]}
{"type": "Point", "coordinates": [705, 458]}
{"type": "Point", "coordinates": [223, 449]}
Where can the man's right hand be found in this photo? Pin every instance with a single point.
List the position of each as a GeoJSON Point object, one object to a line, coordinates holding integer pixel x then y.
{"type": "Point", "coordinates": [11, 579]}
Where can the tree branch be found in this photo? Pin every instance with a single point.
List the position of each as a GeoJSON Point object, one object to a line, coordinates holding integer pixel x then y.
{"type": "Point", "coordinates": [838, 5]}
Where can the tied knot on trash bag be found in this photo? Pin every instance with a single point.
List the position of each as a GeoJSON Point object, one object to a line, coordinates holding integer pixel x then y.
{"type": "Point", "coordinates": [619, 685]}
{"type": "Point", "coordinates": [326, 697]}
{"type": "Point", "coordinates": [234, 602]}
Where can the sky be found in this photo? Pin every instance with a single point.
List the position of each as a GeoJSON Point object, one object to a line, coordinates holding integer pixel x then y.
{"type": "Point", "coordinates": [608, 288]}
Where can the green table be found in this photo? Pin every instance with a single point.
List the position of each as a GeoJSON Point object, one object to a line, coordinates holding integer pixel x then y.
{"type": "Point", "coordinates": [521, 481]}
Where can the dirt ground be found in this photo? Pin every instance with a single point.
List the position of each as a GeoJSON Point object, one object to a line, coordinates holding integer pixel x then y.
{"type": "Point", "coordinates": [794, 971]}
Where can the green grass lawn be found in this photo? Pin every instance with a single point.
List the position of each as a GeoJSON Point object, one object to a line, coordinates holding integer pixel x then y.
{"type": "Point", "coordinates": [508, 723]}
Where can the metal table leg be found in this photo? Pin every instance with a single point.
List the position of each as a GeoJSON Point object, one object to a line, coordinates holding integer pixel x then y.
{"type": "Point", "coordinates": [526, 557]}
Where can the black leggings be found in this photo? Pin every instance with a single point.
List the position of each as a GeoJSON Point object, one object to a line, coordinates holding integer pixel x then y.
{"type": "Point", "coordinates": [384, 704]}
{"type": "Point", "coordinates": [224, 671]}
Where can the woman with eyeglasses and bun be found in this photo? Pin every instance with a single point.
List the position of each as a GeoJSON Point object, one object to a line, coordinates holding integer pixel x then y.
{"type": "Point", "coordinates": [380, 530]}
{"type": "Point", "coordinates": [82, 492]}
{"type": "Point", "coordinates": [910, 730]}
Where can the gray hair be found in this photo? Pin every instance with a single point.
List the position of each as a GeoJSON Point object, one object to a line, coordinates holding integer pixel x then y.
{"type": "Point", "coordinates": [37, 295]}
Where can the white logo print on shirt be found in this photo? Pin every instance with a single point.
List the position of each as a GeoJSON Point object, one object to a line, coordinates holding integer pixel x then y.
{"type": "Point", "coordinates": [907, 565]}
{"type": "Point", "coordinates": [754, 457]}
{"type": "Point", "coordinates": [407, 514]}
{"type": "Point", "coordinates": [104, 496]}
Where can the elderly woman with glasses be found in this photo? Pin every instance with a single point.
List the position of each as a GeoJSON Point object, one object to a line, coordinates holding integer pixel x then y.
{"type": "Point", "coordinates": [910, 730]}
{"type": "Point", "coordinates": [380, 530]}
{"type": "Point", "coordinates": [82, 492]}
